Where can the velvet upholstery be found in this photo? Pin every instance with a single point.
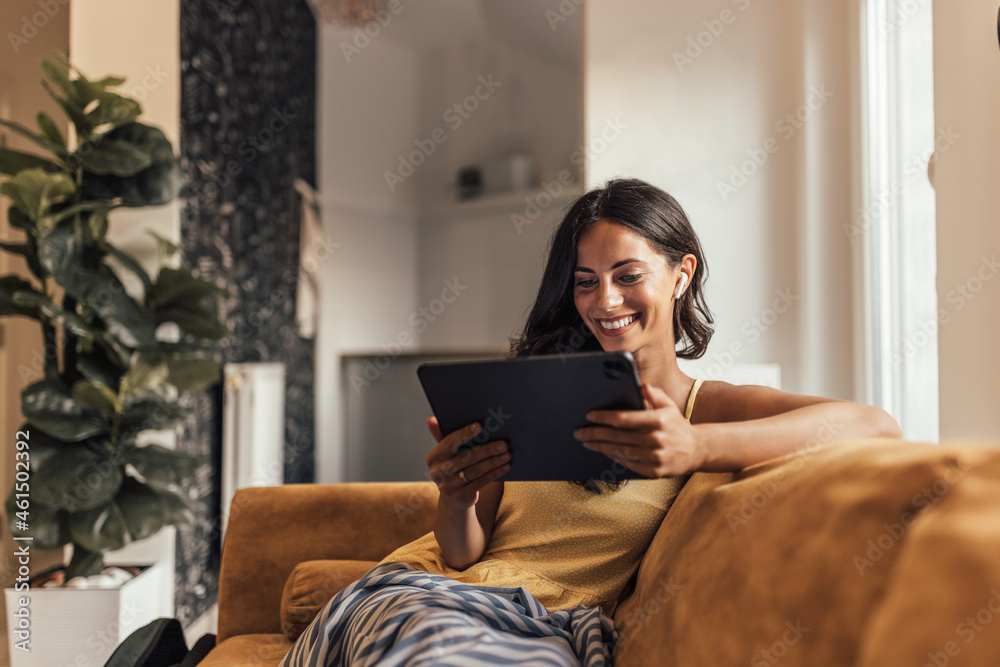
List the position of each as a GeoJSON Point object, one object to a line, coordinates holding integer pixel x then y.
{"type": "Point", "coordinates": [271, 530]}
{"type": "Point", "coordinates": [863, 553]}
{"type": "Point", "coordinates": [311, 585]}
{"type": "Point", "coordinates": [795, 556]}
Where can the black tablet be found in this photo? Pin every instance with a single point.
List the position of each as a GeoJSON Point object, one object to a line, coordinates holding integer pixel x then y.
{"type": "Point", "coordinates": [535, 404]}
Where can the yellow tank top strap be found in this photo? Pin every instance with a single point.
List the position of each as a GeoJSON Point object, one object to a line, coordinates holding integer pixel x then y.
{"type": "Point", "coordinates": [694, 393]}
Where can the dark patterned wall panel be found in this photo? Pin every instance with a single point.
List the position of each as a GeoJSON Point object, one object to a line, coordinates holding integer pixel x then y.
{"type": "Point", "coordinates": [247, 130]}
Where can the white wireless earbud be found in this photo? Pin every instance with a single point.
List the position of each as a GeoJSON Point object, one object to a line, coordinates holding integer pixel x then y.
{"type": "Point", "coordinates": [680, 288]}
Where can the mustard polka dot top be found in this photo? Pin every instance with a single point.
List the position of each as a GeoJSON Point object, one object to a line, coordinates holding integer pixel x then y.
{"type": "Point", "coordinates": [565, 545]}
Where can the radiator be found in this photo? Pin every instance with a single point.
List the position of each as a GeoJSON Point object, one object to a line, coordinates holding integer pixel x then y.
{"type": "Point", "coordinates": [253, 429]}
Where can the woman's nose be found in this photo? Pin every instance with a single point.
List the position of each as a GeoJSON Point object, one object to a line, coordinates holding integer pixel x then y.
{"type": "Point", "coordinates": [610, 298]}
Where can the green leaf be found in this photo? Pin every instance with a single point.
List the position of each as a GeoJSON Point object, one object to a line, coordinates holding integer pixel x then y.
{"type": "Point", "coordinates": [165, 248]}
{"type": "Point", "coordinates": [96, 396]}
{"type": "Point", "coordinates": [58, 72]}
{"type": "Point", "coordinates": [98, 222]}
{"type": "Point", "coordinates": [158, 184]}
{"type": "Point", "coordinates": [114, 109]}
{"type": "Point", "coordinates": [35, 190]}
{"type": "Point", "coordinates": [73, 322]}
{"type": "Point", "coordinates": [147, 370]}
{"type": "Point", "coordinates": [84, 563]}
{"type": "Point", "coordinates": [129, 263]}
{"type": "Point", "coordinates": [135, 513]}
{"type": "Point", "coordinates": [10, 286]}
{"type": "Point", "coordinates": [179, 287]}
{"type": "Point", "coordinates": [95, 363]}
{"type": "Point", "coordinates": [89, 207]}
{"type": "Point", "coordinates": [178, 509]}
{"type": "Point", "coordinates": [36, 138]}
{"type": "Point", "coordinates": [116, 157]}
{"type": "Point", "coordinates": [117, 353]}
{"type": "Point", "coordinates": [193, 319]}
{"type": "Point", "coordinates": [149, 413]}
{"type": "Point", "coordinates": [12, 161]}
{"type": "Point", "coordinates": [53, 410]}
{"type": "Point", "coordinates": [193, 374]}
{"type": "Point", "coordinates": [49, 129]}
{"type": "Point", "coordinates": [81, 122]}
{"type": "Point", "coordinates": [176, 297]}
{"type": "Point", "coordinates": [75, 476]}
{"type": "Point", "coordinates": [63, 254]}
{"type": "Point", "coordinates": [109, 82]}
{"type": "Point", "coordinates": [162, 467]}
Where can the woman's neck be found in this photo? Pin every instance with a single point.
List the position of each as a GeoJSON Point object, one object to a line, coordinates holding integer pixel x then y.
{"type": "Point", "coordinates": [660, 369]}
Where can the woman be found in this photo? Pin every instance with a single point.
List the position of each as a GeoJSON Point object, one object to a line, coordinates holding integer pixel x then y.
{"type": "Point", "coordinates": [625, 272]}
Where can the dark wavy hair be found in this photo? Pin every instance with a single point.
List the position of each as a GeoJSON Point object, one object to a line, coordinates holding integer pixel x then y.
{"type": "Point", "coordinates": [555, 327]}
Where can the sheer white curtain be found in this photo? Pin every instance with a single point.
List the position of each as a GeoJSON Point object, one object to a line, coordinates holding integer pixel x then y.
{"type": "Point", "coordinates": [894, 228]}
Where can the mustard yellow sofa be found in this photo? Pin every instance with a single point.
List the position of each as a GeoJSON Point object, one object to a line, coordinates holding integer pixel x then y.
{"type": "Point", "coordinates": [875, 553]}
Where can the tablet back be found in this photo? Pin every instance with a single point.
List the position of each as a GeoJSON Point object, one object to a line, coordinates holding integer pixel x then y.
{"type": "Point", "coordinates": [535, 404]}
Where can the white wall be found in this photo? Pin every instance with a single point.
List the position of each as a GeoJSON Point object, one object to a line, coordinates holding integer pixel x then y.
{"type": "Point", "coordinates": [367, 116]}
{"type": "Point", "coordinates": [531, 106]}
{"type": "Point", "coordinates": [686, 96]}
{"type": "Point", "coordinates": [967, 101]}
{"type": "Point", "coordinates": [415, 270]}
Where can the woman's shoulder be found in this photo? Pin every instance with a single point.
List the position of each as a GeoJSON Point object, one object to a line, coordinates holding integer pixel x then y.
{"type": "Point", "coordinates": [720, 401]}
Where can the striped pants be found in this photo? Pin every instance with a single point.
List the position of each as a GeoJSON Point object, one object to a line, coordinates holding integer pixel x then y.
{"type": "Point", "coordinates": [397, 615]}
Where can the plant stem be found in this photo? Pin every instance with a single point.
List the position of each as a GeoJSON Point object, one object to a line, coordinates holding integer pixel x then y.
{"type": "Point", "coordinates": [84, 563]}
{"type": "Point", "coordinates": [70, 370]}
{"type": "Point", "coordinates": [51, 355]}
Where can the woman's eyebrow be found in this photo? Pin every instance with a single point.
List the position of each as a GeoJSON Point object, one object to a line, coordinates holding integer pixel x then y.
{"type": "Point", "coordinates": [630, 260]}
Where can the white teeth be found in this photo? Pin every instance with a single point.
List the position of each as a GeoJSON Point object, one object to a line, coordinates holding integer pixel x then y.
{"type": "Point", "coordinates": [618, 324]}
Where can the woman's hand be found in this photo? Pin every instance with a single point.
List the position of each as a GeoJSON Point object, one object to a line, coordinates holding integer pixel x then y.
{"type": "Point", "coordinates": [655, 442]}
{"type": "Point", "coordinates": [460, 473]}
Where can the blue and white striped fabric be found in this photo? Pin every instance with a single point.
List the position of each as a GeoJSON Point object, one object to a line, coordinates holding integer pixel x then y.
{"type": "Point", "coordinates": [398, 615]}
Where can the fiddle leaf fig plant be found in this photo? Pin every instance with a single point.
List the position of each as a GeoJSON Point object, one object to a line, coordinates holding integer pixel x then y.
{"type": "Point", "coordinates": [120, 343]}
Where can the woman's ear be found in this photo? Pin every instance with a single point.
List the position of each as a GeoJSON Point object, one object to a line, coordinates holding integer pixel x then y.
{"type": "Point", "coordinates": [688, 265]}
{"type": "Point", "coordinates": [680, 287]}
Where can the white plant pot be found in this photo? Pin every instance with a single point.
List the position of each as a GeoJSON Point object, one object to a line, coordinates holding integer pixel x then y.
{"type": "Point", "coordinates": [80, 627]}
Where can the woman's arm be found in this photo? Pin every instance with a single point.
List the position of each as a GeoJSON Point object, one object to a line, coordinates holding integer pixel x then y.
{"type": "Point", "coordinates": [467, 507]}
{"type": "Point", "coordinates": [734, 427]}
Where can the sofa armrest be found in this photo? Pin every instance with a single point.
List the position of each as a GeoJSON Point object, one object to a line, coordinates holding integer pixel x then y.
{"type": "Point", "coordinates": [795, 555]}
{"type": "Point", "coordinates": [272, 529]}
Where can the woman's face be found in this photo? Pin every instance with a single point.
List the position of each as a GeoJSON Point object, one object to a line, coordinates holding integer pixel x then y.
{"type": "Point", "coordinates": [623, 289]}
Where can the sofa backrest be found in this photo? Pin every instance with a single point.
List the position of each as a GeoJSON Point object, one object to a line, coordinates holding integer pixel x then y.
{"type": "Point", "coordinates": [271, 529]}
{"type": "Point", "coordinates": [854, 553]}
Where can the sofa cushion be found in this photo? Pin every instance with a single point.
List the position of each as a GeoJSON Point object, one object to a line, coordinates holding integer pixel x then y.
{"type": "Point", "coordinates": [255, 650]}
{"type": "Point", "coordinates": [311, 585]}
{"type": "Point", "coordinates": [792, 557]}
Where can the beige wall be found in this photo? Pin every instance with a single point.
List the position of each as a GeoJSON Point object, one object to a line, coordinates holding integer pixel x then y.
{"type": "Point", "coordinates": [21, 97]}
{"type": "Point", "coordinates": [967, 182]}
{"type": "Point", "coordinates": [142, 44]}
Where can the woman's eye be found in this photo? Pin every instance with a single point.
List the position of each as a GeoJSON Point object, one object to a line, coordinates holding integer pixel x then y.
{"type": "Point", "coordinates": [630, 277]}
{"type": "Point", "coordinates": [586, 282]}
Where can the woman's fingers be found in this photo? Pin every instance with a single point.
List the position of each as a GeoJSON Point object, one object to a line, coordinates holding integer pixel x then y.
{"type": "Point", "coordinates": [612, 435]}
{"type": "Point", "coordinates": [459, 461]}
{"type": "Point", "coordinates": [435, 428]}
{"type": "Point", "coordinates": [488, 466]}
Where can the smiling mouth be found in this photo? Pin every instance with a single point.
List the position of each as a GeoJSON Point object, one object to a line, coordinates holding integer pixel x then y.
{"type": "Point", "coordinates": [611, 325]}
